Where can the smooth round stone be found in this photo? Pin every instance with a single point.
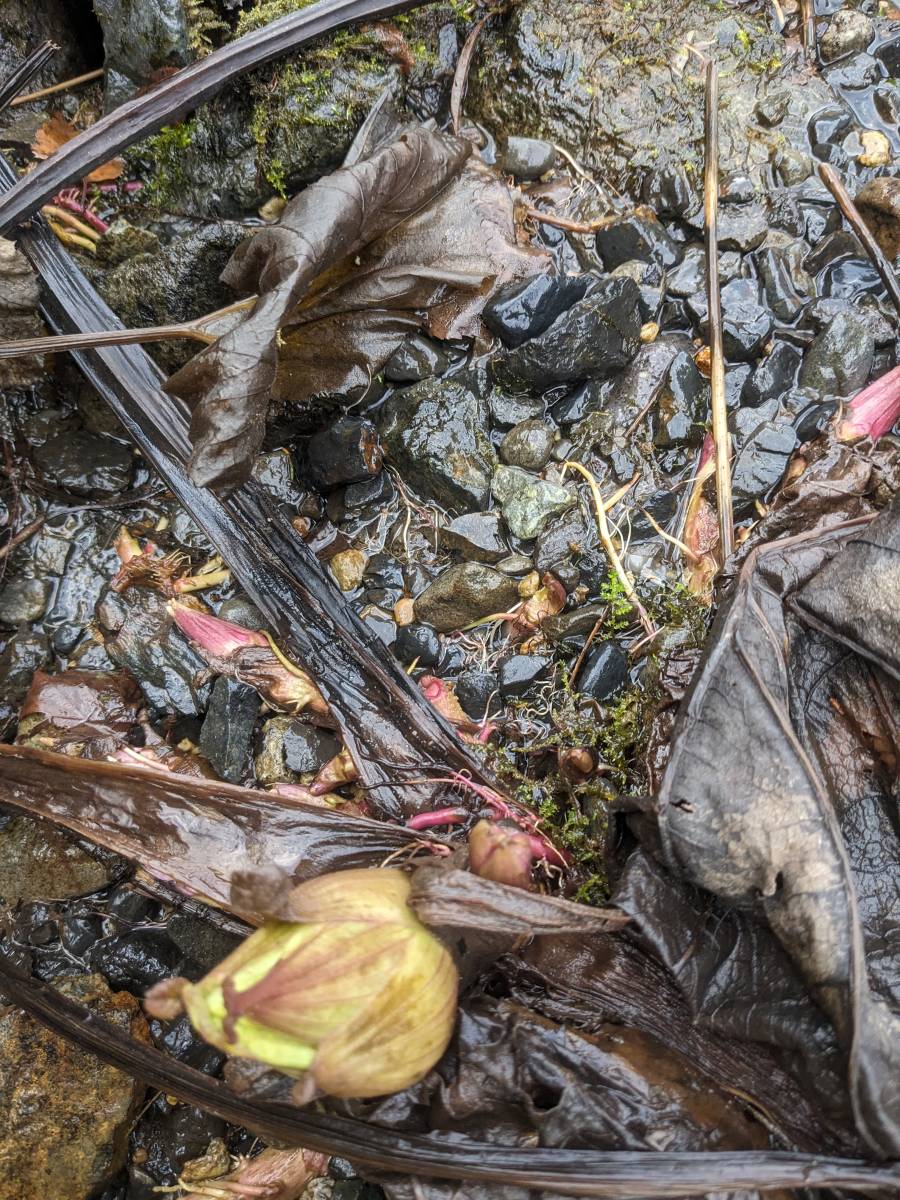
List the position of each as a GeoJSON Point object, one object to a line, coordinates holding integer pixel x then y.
{"type": "Point", "coordinates": [604, 671]}
{"type": "Point", "coordinates": [23, 600]}
{"type": "Point", "coordinates": [416, 359]}
{"type": "Point", "coordinates": [418, 642]}
{"type": "Point", "coordinates": [527, 158]}
{"type": "Point", "coordinates": [476, 693]}
{"type": "Point", "coordinates": [840, 359]}
{"type": "Point", "coordinates": [520, 673]}
{"type": "Point", "coordinates": [848, 32]}
{"type": "Point", "coordinates": [528, 445]}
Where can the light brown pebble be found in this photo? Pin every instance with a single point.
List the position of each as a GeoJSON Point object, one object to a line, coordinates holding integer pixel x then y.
{"type": "Point", "coordinates": [348, 568]}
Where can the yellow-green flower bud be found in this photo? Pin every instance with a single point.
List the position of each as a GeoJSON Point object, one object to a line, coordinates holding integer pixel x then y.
{"type": "Point", "coordinates": [355, 994]}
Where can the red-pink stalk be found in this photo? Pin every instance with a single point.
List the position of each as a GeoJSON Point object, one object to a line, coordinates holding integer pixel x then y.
{"type": "Point", "coordinates": [438, 816]}
{"type": "Point", "coordinates": [70, 199]}
{"type": "Point", "coordinates": [874, 412]}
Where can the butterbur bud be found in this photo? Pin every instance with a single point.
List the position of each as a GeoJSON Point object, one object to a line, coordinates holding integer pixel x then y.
{"type": "Point", "coordinates": [355, 997]}
{"type": "Point", "coordinates": [501, 853]}
{"type": "Point", "coordinates": [874, 411]}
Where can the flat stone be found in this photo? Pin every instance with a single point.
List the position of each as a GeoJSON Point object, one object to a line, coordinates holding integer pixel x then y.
{"type": "Point", "coordinates": [507, 411]}
{"type": "Point", "coordinates": [228, 727]}
{"type": "Point", "coordinates": [465, 593]}
{"type": "Point", "coordinates": [524, 309]}
{"type": "Point", "coordinates": [528, 502]}
{"type": "Point", "coordinates": [742, 226]}
{"type": "Point", "coordinates": [64, 1115]}
{"type": "Point", "coordinates": [520, 672]}
{"type": "Point", "coordinates": [308, 748]}
{"type": "Point", "coordinates": [476, 536]}
{"type": "Point", "coordinates": [40, 862]}
{"type": "Point", "coordinates": [84, 463]}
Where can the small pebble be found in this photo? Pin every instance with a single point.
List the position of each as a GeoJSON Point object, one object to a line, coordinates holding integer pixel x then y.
{"type": "Point", "coordinates": [876, 150]}
{"type": "Point", "coordinates": [405, 611]}
{"type": "Point", "coordinates": [348, 568]}
{"type": "Point", "coordinates": [520, 672]}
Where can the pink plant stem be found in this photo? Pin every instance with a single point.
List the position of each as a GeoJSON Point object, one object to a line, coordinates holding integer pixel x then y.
{"type": "Point", "coordinates": [69, 200]}
{"type": "Point", "coordinates": [438, 816]}
{"type": "Point", "coordinates": [874, 411]}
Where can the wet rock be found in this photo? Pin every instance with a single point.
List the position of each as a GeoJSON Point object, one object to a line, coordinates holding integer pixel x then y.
{"type": "Point", "coordinates": [348, 568]}
{"type": "Point", "coordinates": [860, 71]}
{"type": "Point", "coordinates": [571, 629]}
{"type": "Point", "coordinates": [879, 203]}
{"type": "Point", "coordinates": [22, 600]}
{"type": "Point", "coordinates": [774, 376]}
{"type": "Point", "coordinates": [434, 434]}
{"type": "Point", "coordinates": [594, 337]}
{"type": "Point", "coordinates": [417, 359]}
{"type": "Point", "coordinates": [476, 536]}
{"type": "Point", "coordinates": [147, 643]}
{"type": "Point", "coordinates": [520, 673]}
{"type": "Point", "coordinates": [669, 190]}
{"type": "Point", "coordinates": [307, 748]}
{"type": "Point", "coordinates": [22, 655]}
{"type": "Point", "coordinates": [641, 237]}
{"type": "Point", "coordinates": [381, 623]}
{"type": "Point", "coordinates": [123, 240]}
{"type": "Point", "coordinates": [170, 1136]}
{"type": "Point", "coordinates": [83, 463]}
{"type": "Point", "coordinates": [418, 643]}
{"type": "Point", "coordinates": [176, 283]}
{"type": "Point", "coordinates": [662, 506]}
{"type": "Point", "coordinates": [40, 862]}
{"type": "Point", "coordinates": [507, 411]}
{"type": "Point", "coordinates": [526, 501]}
{"type": "Point", "coordinates": [881, 325]}
{"type": "Point", "coordinates": [64, 1115]}
{"type": "Point", "coordinates": [761, 461]}
{"type": "Point", "coordinates": [786, 282]}
{"type": "Point", "coordinates": [139, 41]}
{"type": "Point", "coordinates": [269, 761]}
{"type": "Point", "coordinates": [465, 593]}
{"type": "Point", "coordinates": [682, 405]}
{"type": "Point", "coordinates": [773, 108]}
{"type": "Point", "coordinates": [523, 310]}
{"type": "Point", "coordinates": [603, 672]}
{"type": "Point", "coordinates": [576, 405]}
{"type": "Point", "coordinates": [527, 158]}
{"type": "Point", "coordinates": [746, 323]}
{"type": "Point", "coordinates": [179, 1039]}
{"type": "Point", "coordinates": [134, 961]}
{"type": "Point", "coordinates": [227, 732]}
{"type": "Point", "coordinates": [79, 931]}
{"type": "Point", "coordinates": [840, 359]}
{"type": "Point", "coordinates": [528, 445]}
{"type": "Point", "coordinates": [200, 939]}
{"type": "Point", "coordinates": [793, 166]}
{"type": "Point", "coordinates": [369, 491]}
{"type": "Point", "coordinates": [689, 277]}
{"type": "Point", "coordinates": [848, 32]}
{"type": "Point", "coordinates": [90, 563]}
{"type": "Point", "coordinates": [347, 452]}
{"type": "Point", "coordinates": [476, 692]}
{"type": "Point", "coordinates": [567, 537]}
{"type": "Point", "coordinates": [742, 227]}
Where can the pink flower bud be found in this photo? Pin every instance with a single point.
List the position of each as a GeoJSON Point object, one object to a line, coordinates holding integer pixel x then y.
{"type": "Point", "coordinates": [217, 637]}
{"type": "Point", "coordinates": [874, 411]}
{"type": "Point", "coordinates": [502, 854]}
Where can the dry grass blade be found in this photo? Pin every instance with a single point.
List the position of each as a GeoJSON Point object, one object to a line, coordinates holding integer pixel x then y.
{"type": "Point", "coordinates": [461, 74]}
{"type": "Point", "coordinates": [180, 94]}
{"type": "Point", "coordinates": [832, 181]}
{"type": "Point", "coordinates": [714, 300]}
{"type": "Point", "coordinates": [64, 86]}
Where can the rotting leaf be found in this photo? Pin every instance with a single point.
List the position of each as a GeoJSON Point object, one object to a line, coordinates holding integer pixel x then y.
{"type": "Point", "coordinates": [357, 261]}
{"type": "Point", "coordinates": [88, 713]}
{"type": "Point", "coordinates": [189, 832]}
{"type": "Point", "coordinates": [55, 132]}
{"type": "Point", "coordinates": [776, 797]}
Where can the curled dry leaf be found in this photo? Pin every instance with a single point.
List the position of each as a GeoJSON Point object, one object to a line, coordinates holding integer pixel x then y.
{"type": "Point", "coordinates": [55, 132]}
{"type": "Point", "coordinates": [357, 261]}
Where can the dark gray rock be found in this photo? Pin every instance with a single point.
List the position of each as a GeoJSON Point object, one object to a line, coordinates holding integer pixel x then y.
{"type": "Point", "coordinates": [682, 405]}
{"type": "Point", "coordinates": [520, 673]}
{"type": "Point", "coordinates": [689, 277]}
{"type": "Point", "coordinates": [136, 960]}
{"type": "Point", "coordinates": [576, 405]}
{"type": "Point", "coordinates": [308, 748]}
{"type": "Point", "coordinates": [595, 337]}
{"type": "Point", "coordinates": [417, 359]}
{"type": "Point", "coordinates": [434, 434]}
{"type": "Point", "coordinates": [742, 227]}
{"type": "Point", "coordinates": [746, 323]}
{"type": "Point", "coordinates": [761, 461]}
{"type": "Point", "coordinates": [419, 644]}
{"type": "Point", "coordinates": [139, 40]}
{"type": "Point", "coordinates": [840, 359]}
{"type": "Point", "coordinates": [861, 71]}
{"type": "Point", "coordinates": [242, 611]}
{"type": "Point", "coordinates": [528, 445]}
{"type": "Point", "coordinates": [527, 158]}
{"type": "Point", "coordinates": [637, 237]}
{"type": "Point", "coordinates": [564, 539]}
{"type": "Point", "coordinates": [227, 732]}
{"type": "Point", "coordinates": [476, 536]}
{"type": "Point", "coordinates": [669, 190]}
{"type": "Point", "coordinates": [507, 410]}
{"type": "Point", "coordinates": [787, 285]}
{"type": "Point", "coordinates": [528, 502]}
{"type": "Point", "coordinates": [522, 310]}
{"type": "Point", "coordinates": [572, 629]}
{"type": "Point", "coordinates": [22, 655]}
{"type": "Point", "coordinates": [604, 671]}
{"type": "Point", "coordinates": [477, 694]}
{"type": "Point", "coordinates": [465, 593]}
{"type": "Point", "coordinates": [84, 463]}
{"type": "Point", "coordinates": [774, 376]}
{"type": "Point", "coordinates": [347, 452]}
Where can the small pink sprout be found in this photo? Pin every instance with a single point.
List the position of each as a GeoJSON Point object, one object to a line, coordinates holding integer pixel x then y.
{"type": "Point", "coordinates": [438, 816]}
{"type": "Point", "coordinates": [71, 200]}
{"type": "Point", "coordinates": [874, 412]}
{"type": "Point", "coordinates": [219, 638]}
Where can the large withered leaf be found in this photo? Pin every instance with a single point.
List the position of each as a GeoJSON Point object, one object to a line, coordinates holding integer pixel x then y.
{"type": "Point", "coordinates": [434, 270]}
{"type": "Point", "coordinates": [190, 832]}
{"type": "Point", "coordinates": [229, 384]}
{"type": "Point", "coordinates": [780, 794]}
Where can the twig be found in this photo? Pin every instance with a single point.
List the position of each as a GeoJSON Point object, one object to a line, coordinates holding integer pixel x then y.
{"type": "Point", "coordinates": [22, 536]}
{"type": "Point", "coordinates": [714, 300]}
{"type": "Point", "coordinates": [808, 27]}
{"type": "Point", "coordinates": [535, 214]}
{"type": "Point", "coordinates": [587, 645]}
{"type": "Point", "coordinates": [832, 181]}
{"type": "Point", "coordinates": [461, 74]}
{"type": "Point", "coordinates": [610, 547]}
{"type": "Point", "coordinates": [64, 86]}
